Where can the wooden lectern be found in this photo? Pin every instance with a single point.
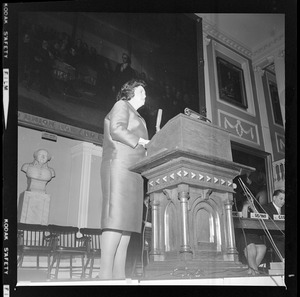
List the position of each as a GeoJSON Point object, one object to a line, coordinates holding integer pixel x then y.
{"type": "Point", "coordinates": [190, 175]}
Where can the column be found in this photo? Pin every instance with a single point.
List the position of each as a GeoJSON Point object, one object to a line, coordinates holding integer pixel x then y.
{"type": "Point", "coordinates": [183, 196]}
{"type": "Point", "coordinates": [231, 252]}
{"type": "Point", "coordinates": [258, 74]}
{"type": "Point", "coordinates": [157, 251]}
{"type": "Point", "coordinates": [79, 194]}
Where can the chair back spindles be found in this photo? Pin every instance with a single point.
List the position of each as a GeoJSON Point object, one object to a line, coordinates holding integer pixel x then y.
{"type": "Point", "coordinates": [59, 242]}
{"type": "Point", "coordinates": [33, 241]}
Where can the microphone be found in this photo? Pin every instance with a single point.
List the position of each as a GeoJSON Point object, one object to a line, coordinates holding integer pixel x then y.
{"type": "Point", "coordinates": [158, 120]}
{"type": "Point", "coordinates": [196, 115]}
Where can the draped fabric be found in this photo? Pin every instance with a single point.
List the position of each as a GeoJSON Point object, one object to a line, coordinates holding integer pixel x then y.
{"type": "Point", "coordinates": [122, 189]}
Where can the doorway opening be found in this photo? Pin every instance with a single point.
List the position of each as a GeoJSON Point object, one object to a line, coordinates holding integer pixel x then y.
{"type": "Point", "coordinates": [260, 160]}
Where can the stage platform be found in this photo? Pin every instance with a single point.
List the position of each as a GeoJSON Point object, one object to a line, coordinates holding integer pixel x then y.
{"type": "Point", "coordinates": [37, 277]}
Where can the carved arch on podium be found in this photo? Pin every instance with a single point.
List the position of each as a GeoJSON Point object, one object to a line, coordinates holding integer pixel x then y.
{"type": "Point", "coordinates": [171, 225]}
{"type": "Point", "coordinates": [207, 226]}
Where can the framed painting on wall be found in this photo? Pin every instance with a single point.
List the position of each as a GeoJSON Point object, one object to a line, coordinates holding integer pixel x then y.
{"type": "Point", "coordinates": [67, 65]}
{"type": "Point", "coordinates": [231, 83]}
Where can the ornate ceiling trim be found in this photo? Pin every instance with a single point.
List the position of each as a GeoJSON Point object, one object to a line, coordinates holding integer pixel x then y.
{"type": "Point", "coordinates": [214, 32]}
{"type": "Point", "coordinates": [270, 45]}
{"type": "Point", "coordinates": [262, 50]}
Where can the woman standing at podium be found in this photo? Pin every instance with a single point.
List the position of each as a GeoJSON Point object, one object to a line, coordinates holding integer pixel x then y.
{"type": "Point", "coordinates": [125, 137]}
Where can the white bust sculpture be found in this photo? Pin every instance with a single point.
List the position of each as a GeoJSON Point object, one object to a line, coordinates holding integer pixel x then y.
{"type": "Point", "coordinates": [38, 172]}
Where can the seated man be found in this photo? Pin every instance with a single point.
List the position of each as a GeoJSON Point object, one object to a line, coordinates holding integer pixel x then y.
{"type": "Point", "coordinates": [276, 207]}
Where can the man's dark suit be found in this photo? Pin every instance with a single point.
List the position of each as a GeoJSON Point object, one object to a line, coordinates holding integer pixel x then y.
{"type": "Point", "coordinates": [278, 239]}
{"type": "Point", "coordinates": [271, 210]}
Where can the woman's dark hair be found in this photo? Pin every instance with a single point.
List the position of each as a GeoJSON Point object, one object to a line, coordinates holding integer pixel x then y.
{"type": "Point", "coordinates": [127, 90]}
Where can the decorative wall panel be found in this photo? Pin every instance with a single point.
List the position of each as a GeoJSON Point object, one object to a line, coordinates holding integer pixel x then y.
{"type": "Point", "coordinates": [239, 127]}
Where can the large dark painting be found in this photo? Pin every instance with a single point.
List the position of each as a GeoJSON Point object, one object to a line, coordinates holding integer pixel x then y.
{"type": "Point", "coordinates": [70, 67]}
{"type": "Point", "coordinates": [231, 83]}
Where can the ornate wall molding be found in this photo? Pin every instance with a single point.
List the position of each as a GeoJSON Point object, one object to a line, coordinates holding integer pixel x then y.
{"type": "Point", "coordinates": [211, 30]}
{"type": "Point", "coordinates": [268, 58]}
{"type": "Point", "coordinates": [206, 39]}
{"type": "Point", "coordinates": [245, 64]}
{"type": "Point", "coordinates": [240, 131]}
{"type": "Point", "coordinates": [262, 50]}
{"type": "Point", "coordinates": [269, 46]}
{"type": "Point", "coordinates": [259, 70]}
{"type": "Point", "coordinates": [43, 124]}
{"type": "Point", "coordinates": [239, 127]}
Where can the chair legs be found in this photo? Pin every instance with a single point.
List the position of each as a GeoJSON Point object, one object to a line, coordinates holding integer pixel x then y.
{"type": "Point", "coordinates": [57, 259]}
{"type": "Point", "coordinates": [49, 268]}
{"type": "Point", "coordinates": [91, 267]}
{"type": "Point", "coordinates": [57, 265]}
{"type": "Point", "coordinates": [90, 260]}
{"type": "Point", "coordinates": [52, 264]}
{"type": "Point", "coordinates": [87, 263]}
{"type": "Point", "coordinates": [83, 267]}
{"type": "Point", "coordinates": [71, 268]}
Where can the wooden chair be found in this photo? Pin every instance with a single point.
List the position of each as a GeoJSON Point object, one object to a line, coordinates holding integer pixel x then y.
{"type": "Point", "coordinates": [94, 250]}
{"type": "Point", "coordinates": [67, 245]}
{"type": "Point", "coordinates": [34, 240]}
